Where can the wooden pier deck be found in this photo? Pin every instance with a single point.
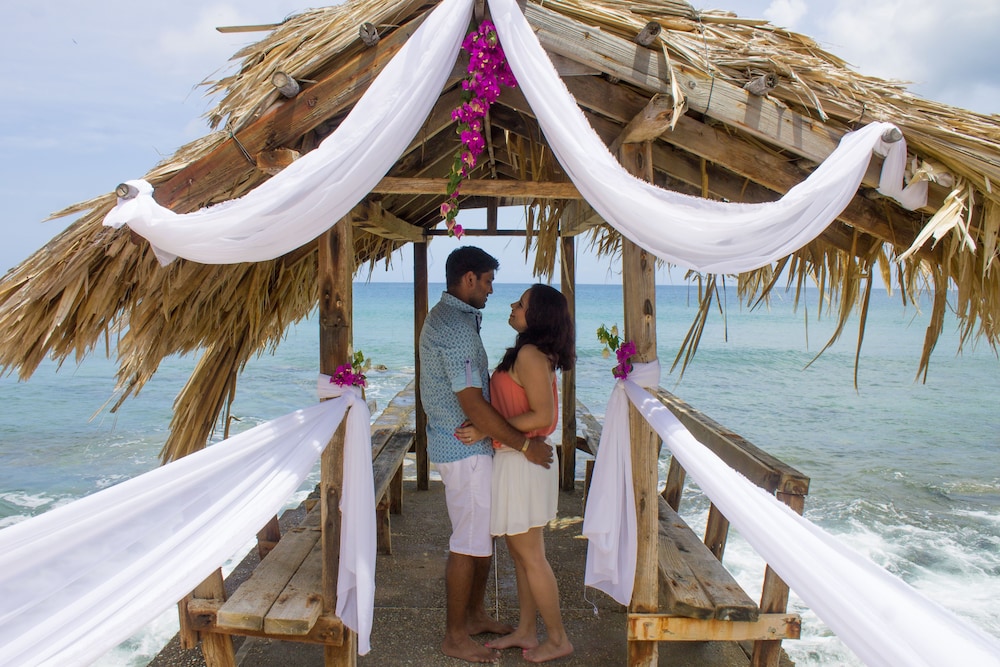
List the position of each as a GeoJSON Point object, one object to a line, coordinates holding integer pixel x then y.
{"type": "Point", "coordinates": [410, 608]}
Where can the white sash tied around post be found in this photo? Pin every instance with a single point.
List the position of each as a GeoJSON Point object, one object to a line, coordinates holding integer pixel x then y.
{"type": "Point", "coordinates": [880, 617]}
{"type": "Point", "coordinates": [609, 522]}
{"type": "Point", "coordinates": [356, 576]}
{"type": "Point", "coordinates": [83, 577]}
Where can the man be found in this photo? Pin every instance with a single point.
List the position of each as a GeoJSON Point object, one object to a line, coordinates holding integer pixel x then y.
{"type": "Point", "coordinates": [454, 387]}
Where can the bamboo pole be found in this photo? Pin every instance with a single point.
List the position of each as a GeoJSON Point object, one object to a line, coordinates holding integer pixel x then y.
{"type": "Point", "coordinates": [335, 272]}
{"type": "Point", "coordinates": [639, 297]}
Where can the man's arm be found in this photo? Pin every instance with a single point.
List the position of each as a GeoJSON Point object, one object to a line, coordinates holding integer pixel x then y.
{"type": "Point", "coordinates": [490, 422]}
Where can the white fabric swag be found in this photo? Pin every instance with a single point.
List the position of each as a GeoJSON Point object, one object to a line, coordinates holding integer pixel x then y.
{"type": "Point", "coordinates": [81, 578]}
{"type": "Point", "coordinates": [881, 618]}
{"type": "Point", "coordinates": [316, 191]}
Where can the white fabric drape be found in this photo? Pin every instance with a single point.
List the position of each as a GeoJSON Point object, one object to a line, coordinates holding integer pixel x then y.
{"type": "Point", "coordinates": [882, 619]}
{"type": "Point", "coordinates": [609, 524]}
{"type": "Point", "coordinates": [314, 192]}
{"type": "Point", "coordinates": [691, 232]}
{"type": "Point", "coordinates": [83, 577]}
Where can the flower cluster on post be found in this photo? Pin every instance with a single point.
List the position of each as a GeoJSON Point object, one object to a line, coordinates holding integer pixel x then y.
{"type": "Point", "coordinates": [487, 71]}
{"type": "Point", "coordinates": [352, 374]}
{"type": "Point", "coordinates": [624, 351]}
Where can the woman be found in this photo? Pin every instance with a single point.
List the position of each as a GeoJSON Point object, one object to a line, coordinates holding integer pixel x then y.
{"type": "Point", "coordinates": [525, 495]}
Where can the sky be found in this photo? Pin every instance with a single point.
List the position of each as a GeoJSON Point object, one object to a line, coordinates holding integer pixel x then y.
{"type": "Point", "coordinates": [92, 94]}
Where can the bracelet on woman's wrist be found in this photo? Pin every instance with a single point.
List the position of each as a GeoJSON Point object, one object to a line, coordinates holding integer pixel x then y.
{"type": "Point", "coordinates": [524, 447]}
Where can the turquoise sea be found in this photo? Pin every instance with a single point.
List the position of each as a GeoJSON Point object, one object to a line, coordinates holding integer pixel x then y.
{"type": "Point", "coordinates": [905, 473]}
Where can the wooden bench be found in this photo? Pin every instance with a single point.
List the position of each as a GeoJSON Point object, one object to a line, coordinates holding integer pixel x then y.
{"type": "Point", "coordinates": [699, 600]}
{"type": "Point", "coordinates": [282, 598]}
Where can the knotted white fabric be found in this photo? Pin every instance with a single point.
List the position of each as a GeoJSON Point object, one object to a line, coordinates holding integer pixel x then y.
{"type": "Point", "coordinates": [83, 577]}
{"type": "Point", "coordinates": [313, 193]}
{"type": "Point", "coordinates": [356, 574]}
{"type": "Point", "coordinates": [609, 522]}
{"type": "Point", "coordinates": [881, 618]}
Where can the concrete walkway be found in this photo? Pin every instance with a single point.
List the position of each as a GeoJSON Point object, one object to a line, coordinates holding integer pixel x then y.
{"type": "Point", "coordinates": [410, 602]}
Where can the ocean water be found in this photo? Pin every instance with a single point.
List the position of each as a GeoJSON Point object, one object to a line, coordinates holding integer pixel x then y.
{"type": "Point", "coordinates": [903, 472]}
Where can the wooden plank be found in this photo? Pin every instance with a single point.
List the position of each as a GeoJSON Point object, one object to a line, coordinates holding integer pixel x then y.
{"type": "Point", "coordinates": [712, 96]}
{"type": "Point", "coordinates": [299, 605]}
{"type": "Point", "coordinates": [202, 615]}
{"type": "Point", "coordinates": [248, 606]}
{"type": "Point", "coordinates": [758, 466]}
{"type": "Point", "coordinates": [480, 187]}
{"type": "Point", "coordinates": [391, 457]}
{"type": "Point", "coordinates": [658, 627]}
{"type": "Point", "coordinates": [728, 600]}
{"type": "Point", "coordinates": [398, 414]}
{"type": "Point", "coordinates": [680, 590]}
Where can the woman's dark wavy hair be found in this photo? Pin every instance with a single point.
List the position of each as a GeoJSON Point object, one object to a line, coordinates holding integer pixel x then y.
{"type": "Point", "coordinates": [550, 329]}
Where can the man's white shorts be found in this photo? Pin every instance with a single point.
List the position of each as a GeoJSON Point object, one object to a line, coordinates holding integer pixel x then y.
{"type": "Point", "coordinates": [467, 488]}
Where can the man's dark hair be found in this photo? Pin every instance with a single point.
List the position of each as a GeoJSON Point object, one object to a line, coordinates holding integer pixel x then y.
{"type": "Point", "coordinates": [465, 259]}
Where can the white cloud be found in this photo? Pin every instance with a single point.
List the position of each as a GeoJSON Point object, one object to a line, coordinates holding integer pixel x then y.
{"type": "Point", "coordinates": [786, 13]}
{"type": "Point", "coordinates": [941, 48]}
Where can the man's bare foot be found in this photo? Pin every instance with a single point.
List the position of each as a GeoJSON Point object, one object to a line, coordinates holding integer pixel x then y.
{"type": "Point", "coordinates": [517, 638]}
{"type": "Point", "coordinates": [477, 625]}
{"type": "Point", "coordinates": [467, 650]}
{"type": "Point", "coordinates": [548, 651]}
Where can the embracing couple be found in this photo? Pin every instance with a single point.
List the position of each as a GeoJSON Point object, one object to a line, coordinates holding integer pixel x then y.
{"type": "Point", "coordinates": [486, 437]}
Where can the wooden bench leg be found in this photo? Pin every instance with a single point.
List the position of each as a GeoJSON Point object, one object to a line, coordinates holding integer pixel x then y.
{"type": "Point", "coordinates": [382, 524]}
{"type": "Point", "coordinates": [217, 649]}
{"type": "Point", "coordinates": [345, 655]}
{"type": "Point", "coordinates": [396, 492]}
{"type": "Point", "coordinates": [268, 537]}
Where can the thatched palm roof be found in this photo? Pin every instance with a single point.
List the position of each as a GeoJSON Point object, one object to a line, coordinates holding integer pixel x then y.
{"type": "Point", "coordinates": [93, 287]}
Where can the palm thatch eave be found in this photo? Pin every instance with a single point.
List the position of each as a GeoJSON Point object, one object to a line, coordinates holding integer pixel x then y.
{"type": "Point", "coordinates": [91, 285]}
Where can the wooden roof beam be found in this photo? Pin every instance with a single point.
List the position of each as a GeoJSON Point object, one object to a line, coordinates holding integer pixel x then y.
{"type": "Point", "coordinates": [199, 183]}
{"type": "Point", "coordinates": [625, 60]}
{"type": "Point", "coordinates": [372, 218]}
{"type": "Point", "coordinates": [774, 172]}
{"type": "Point", "coordinates": [483, 187]}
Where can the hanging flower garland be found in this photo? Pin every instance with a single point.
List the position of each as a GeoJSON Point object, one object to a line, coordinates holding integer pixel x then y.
{"type": "Point", "coordinates": [487, 71]}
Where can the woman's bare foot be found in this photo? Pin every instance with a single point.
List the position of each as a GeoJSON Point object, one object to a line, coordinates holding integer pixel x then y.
{"type": "Point", "coordinates": [467, 650]}
{"type": "Point", "coordinates": [518, 638]}
{"type": "Point", "coordinates": [477, 625]}
{"type": "Point", "coordinates": [548, 651]}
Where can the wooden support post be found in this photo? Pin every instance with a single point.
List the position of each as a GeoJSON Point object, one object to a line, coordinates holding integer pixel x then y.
{"type": "Point", "coordinates": [419, 315]}
{"type": "Point", "coordinates": [674, 487]}
{"type": "Point", "coordinates": [774, 598]}
{"type": "Point", "coordinates": [267, 537]}
{"type": "Point", "coordinates": [567, 281]}
{"type": "Point", "coordinates": [639, 296]}
{"type": "Point", "coordinates": [336, 270]}
{"type": "Point", "coordinates": [716, 532]}
{"type": "Point", "coordinates": [216, 649]}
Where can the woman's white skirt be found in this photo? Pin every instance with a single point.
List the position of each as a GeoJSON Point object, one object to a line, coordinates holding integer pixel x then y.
{"type": "Point", "coordinates": [525, 495]}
